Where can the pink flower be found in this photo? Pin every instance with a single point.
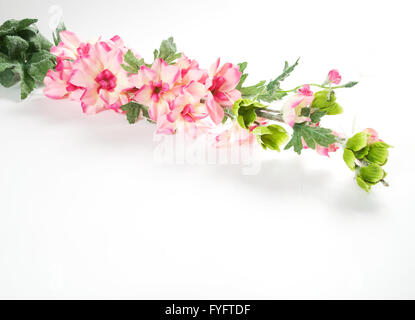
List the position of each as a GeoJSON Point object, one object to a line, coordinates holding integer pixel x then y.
{"type": "Point", "coordinates": [222, 92]}
{"type": "Point", "coordinates": [56, 82]}
{"type": "Point", "coordinates": [156, 87]}
{"type": "Point", "coordinates": [291, 110]}
{"type": "Point", "coordinates": [190, 71]}
{"type": "Point", "coordinates": [102, 77]}
{"type": "Point", "coordinates": [374, 137]}
{"type": "Point", "coordinates": [187, 114]}
{"type": "Point", "coordinates": [334, 76]}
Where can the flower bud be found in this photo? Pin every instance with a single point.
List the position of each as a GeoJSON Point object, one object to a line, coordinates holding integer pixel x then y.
{"type": "Point", "coordinates": [334, 77]}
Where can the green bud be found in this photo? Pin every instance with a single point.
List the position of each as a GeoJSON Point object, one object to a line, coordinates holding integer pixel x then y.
{"type": "Point", "coordinates": [349, 158]}
{"type": "Point", "coordinates": [362, 153]}
{"type": "Point", "coordinates": [362, 184]}
{"type": "Point", "coordinates": [271, 137]}
{"type": "Point", "coordinates": [378, 153]}
{"type": "Point", "coordinates": [357, 142]}
{"type": "Point", "coordinates": [244, 110]}
{"type": "Point", "coordinates": [372, 174]}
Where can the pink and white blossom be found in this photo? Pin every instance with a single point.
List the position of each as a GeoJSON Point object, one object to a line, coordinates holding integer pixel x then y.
{"type": "Point", "coordinates": [222, 89]}
{"type": "Point", "coordinates": [291, 110]}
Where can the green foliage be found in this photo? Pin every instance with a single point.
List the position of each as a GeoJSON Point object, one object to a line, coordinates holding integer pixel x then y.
{"type": "Point", "coordinates": [57, 34]}
{"type": "Point", "coordinates": [273, 90]}
{"type": "Point", "coordinates": [271, 137]}
{"type": "Point", "coordinates": [168, 51]}
{"type": "Point", "coordinates": [325, 100]}
{"type": "Point", "coordinates": [244, 111]}
{"type": "Point", "coordinates": [367, 158]}
{"type": "Point", "coordinates": [132, 63]}
{"type": "Point", "coordinates": [24, 55]}
{"type": "Point", "coordinates": [311, 135]}
{"type": "Point", "coordinates": [133, 111]}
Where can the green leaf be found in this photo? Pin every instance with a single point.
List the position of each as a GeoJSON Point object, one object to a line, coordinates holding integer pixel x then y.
{"type": "Point", "coordinates": [271, 137]}
{"type": "Point", "coordinates": [16, 46]}
{"type": "Point", "coordinates": [252, 91]}
{"type": "Point", "coordinates": [167, 51]}
{"type": "Point", "coordinates": [270, 97]}
{"type": "Point", "coordinates": [362, 184]}
{"type": "Point", "coordinates": [39, 64]}
{"type": "Point", "coordinates": [133, 111]}
{"type": "Point", "coordinates": [349, 158]}
{"type": "Point", "coordinates": [311, 135]}
{"type": "Point", "coordinates": [27, 83]}
{"type": "Point", "coordinates": [317, 115]}
{"type": "Point", "coordinates": [372, 173]}
{"type": "Point", "coordinates": [12, 26]}
{"type": "Point", "coordinates": [272, 85]}
{"type": "Point", "coordinates": [351, 84]}
{"type": "Point", "coordinates": [133, 64]}
{"type": "Point", "coordinates": [57, 33]}
{"type": "Point", "coordinates": [8, 78]}
{"type": "Point", "coordinates": [357, 142]}
{"type": "Point", "coordinates": [378, 153]}
{"type": "Point", "coordinates": [244, 110]}
{"type": "Point", "coordinates": [6, 63]}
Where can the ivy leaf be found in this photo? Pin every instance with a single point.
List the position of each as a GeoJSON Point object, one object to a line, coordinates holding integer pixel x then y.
{"type": "Point", "coordinates": [311, 135]}
{"type": "Point", "coordinates": [57, 33]}
{"type": "Point", "coordinates": [12, 26]}
{"type": "Point", "coordinates": [133, 111]}
{"type": "Point", "coordinates": [133, 64]}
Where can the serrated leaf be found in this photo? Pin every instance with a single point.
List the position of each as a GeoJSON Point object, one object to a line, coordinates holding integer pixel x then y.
{"type": "Point", "coordinates": [167, 51]}
{"type": "Point", "coordinates": [252, 91]}
{"type": "Point", "coordinates": [311, 135]}
{"type": "Point", "coordinates": [317, 115]}
{"type": "Point", "coordinates": [133, 110]}
{"type": "Point", "coordinates": [133, 64]}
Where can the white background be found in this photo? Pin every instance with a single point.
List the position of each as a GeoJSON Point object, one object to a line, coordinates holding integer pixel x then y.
{"type": "Point", "coordinates": [87, 212]}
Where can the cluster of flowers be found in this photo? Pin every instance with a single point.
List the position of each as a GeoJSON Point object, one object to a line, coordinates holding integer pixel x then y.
{"type": "Point", "coordinates": [179, 96]}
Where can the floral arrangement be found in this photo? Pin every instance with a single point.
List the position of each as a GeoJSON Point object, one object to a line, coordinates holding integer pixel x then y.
{"type": "Point", "coordinates": [177, 95]}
